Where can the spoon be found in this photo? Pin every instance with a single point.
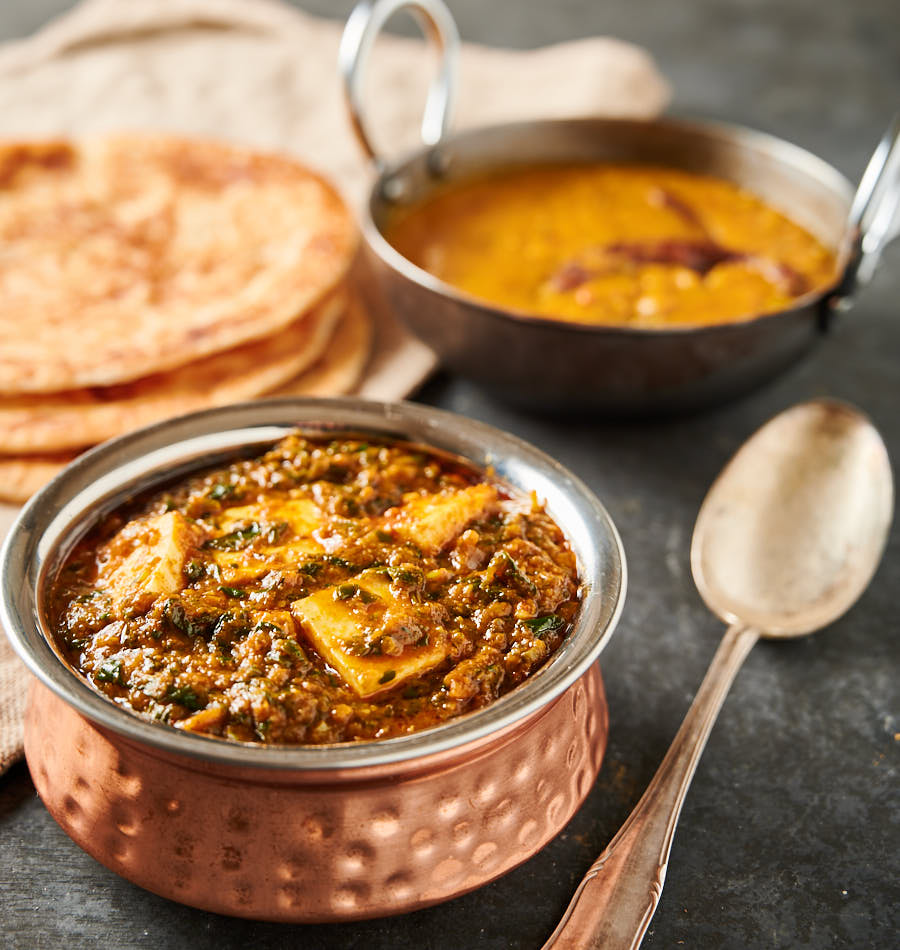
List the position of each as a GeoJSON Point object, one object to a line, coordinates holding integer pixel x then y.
{"type": "Point", "coordinates": [787, 539]}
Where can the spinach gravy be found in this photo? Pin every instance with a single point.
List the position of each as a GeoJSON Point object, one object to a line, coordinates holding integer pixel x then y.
{"type": "Point", "coordinates": [326, 591]}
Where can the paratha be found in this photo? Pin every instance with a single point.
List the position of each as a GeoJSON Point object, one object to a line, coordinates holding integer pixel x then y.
{"type": "Point", "coordinates": [81, 417]}
{"type": "Point", "coordinates": [345, 358]}
{"type": "Point", "coordinates": [21, 476]}
{"type": "Point", "coordinates": [336, 372]}
{"type": "Point", "coordinates": [128, 255]}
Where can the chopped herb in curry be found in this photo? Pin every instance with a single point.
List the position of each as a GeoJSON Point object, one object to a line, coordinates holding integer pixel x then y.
{"type": "Point", "coordinates": [327, 591]}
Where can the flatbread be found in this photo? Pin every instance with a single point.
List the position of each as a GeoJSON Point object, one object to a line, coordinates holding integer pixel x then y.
{"type": "Point", "coordinates": [129, 255]}
{"type": "Point", "coordinates": [336, 372]}
{"type": "Point", "coordinates": [82, 417]}
{"type": "Point", "coordinates": [343, 362]}
{"type": "Point", "coordinates": [22, 476]}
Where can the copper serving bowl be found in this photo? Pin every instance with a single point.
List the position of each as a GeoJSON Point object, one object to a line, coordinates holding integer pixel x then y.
{"type": "Point", "coordinates": [310, 833]}
{"type": "Point", "coordinates": [553, 364]}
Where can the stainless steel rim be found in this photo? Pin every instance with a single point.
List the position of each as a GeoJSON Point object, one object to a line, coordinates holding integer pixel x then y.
{"type": "Point", "coordinates": [101, 479]}
{"type": "Point", "coordinates": [786, 152]}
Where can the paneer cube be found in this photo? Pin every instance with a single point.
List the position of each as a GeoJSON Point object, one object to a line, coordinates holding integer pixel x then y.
{"type": "Point", "coordinates": [292, 523]}
{"type": "Point", "coordinates": [341, 627]}
{"type": "Point", "coordinates": [431, 522]}
{"type": "Point", "coordinates": [150, 555]}
{"type": "Point", "coordinates": [301, 515]}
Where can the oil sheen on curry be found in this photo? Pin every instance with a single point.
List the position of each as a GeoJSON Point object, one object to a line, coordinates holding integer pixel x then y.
{"type": "Point", "coordinates": [613, 244]}
{"type": "Point", "coordinates": [327, 591]}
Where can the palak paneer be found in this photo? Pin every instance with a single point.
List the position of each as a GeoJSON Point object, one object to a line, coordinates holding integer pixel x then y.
{"type": "Point", "coordinates": [329, 590]}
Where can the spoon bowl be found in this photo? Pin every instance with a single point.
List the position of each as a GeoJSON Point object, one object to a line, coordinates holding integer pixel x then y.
{"type": "Point", "coordinates": [786, 540]}
{"type": "Point", "coordinates": [793, 528]}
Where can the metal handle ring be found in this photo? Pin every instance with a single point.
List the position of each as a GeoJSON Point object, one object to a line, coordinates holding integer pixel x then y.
{"type": "Point", "coordinates": [363, 26]}
{"type": "Point", "coordinates": [872, 222]}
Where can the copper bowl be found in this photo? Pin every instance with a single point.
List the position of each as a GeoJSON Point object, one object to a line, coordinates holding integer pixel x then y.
{"type": "Point", "coordinates": [554, 364]}
{"type": "Point", "coordinates": [310, 833]}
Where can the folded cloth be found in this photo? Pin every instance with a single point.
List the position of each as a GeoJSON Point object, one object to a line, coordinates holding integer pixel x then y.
{"type": "Point", "coordinates": [264, 74]}
{"type": "Point", "coordinates": [13, 682]}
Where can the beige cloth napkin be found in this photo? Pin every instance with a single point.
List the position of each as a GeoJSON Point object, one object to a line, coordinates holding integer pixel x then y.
{"type": "Point", "coordinates": [261, 73]}
{"type": "Point", "coordinates": [13, 682]}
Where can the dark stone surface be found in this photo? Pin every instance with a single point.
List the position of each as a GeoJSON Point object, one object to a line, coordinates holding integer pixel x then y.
{"type": "Point", "coordinates": [790, 834]}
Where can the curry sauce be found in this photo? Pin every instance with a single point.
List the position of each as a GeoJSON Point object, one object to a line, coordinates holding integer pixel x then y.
{"type": "Point", "coordinates": [629, 245]}
{"type": "Point", "coordinates": [326, 591]}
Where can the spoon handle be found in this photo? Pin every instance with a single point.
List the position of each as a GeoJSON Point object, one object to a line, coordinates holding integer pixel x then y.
{"type": "Point", "coordinates": [616, 899]}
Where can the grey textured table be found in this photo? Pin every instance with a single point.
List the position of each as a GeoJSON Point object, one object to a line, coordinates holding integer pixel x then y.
{"type": "Point", "coordinates": [791, 833]}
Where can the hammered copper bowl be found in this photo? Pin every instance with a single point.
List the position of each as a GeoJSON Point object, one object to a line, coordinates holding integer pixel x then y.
{"type": "Point", "coordinates": [310, 833]}
{"type": "Point", "coordinates": [554, 364]}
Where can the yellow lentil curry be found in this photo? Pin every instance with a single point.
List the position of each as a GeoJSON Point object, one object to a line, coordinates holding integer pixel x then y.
{"type": "Point", "coordinates": [327, 591]}
{"type": "Point", "coordinates": [613, 244]}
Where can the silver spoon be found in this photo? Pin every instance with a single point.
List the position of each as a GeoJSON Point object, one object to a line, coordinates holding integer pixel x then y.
{"type": "Point", "coordinates": [786, 540]}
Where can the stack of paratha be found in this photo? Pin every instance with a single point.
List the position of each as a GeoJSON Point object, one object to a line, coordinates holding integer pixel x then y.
{"type": "Point", "coordinates": [144, 277]}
